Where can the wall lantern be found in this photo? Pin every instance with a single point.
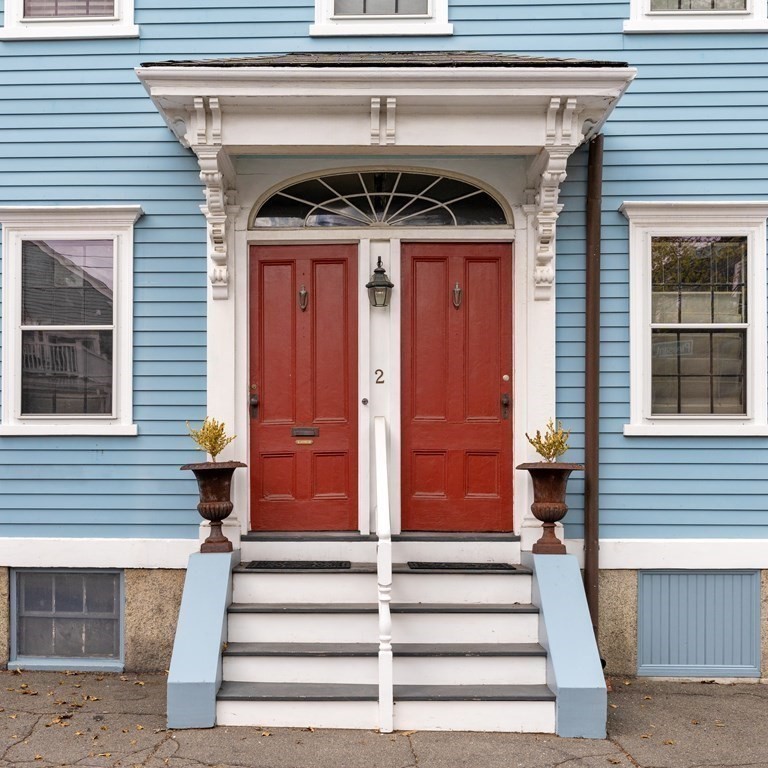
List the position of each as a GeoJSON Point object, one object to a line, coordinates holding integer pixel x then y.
{"type": "Point", "coordinates": [380, 287]}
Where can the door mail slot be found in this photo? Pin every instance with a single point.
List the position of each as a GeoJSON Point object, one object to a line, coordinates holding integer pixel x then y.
{"type": "Point", "coordinates": [305, 432]}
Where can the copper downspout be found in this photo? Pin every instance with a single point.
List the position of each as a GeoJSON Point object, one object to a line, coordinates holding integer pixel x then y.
{"type": "Point", "coordinates": [592, 380]}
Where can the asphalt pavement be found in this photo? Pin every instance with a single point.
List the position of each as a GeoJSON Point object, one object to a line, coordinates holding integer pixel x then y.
{"type": "Point", "coordinates": [103, 720]}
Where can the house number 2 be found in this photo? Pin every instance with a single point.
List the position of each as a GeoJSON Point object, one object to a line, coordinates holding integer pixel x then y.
{"type": "Point", "coordinates": [379, 376]}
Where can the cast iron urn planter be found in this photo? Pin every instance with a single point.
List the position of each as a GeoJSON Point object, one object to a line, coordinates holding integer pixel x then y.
{"type": "Point", "coordinates": [550, 479]}
{"type": "Point", "coordinates": [214, 480]}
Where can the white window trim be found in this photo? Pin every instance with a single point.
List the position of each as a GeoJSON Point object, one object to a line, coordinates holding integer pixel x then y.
{"type": "Point", "coordinates": [435, 22]}
{"type": "Point", "coordinates": [643, 19]}
{"type": "Point", "coordinates": [670, 218]}
{"type": "Point", "coordinates": [16, 27]}
{"type": "Point", "coordinates": [68, 222]}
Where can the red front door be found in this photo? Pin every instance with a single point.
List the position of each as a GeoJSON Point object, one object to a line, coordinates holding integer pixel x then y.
{"type": "Point", "coordinates": [457, 377]}
{"type": "Point", "coordinates": [303, 370]}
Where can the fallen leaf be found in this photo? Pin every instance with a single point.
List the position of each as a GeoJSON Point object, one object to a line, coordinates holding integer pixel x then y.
{"type": "Point", "coordinates": [694, 722]}
{"type": "Point", "coordinates": [720, 725]}
{"type": "Point", "coordinates": [104, 727]}
{"type": "Point", "coordinates": [627, 682]}
{"type": "Point", "coordinates": [645, 735]}
{"type": "Point", "coordinates": [104, 754]}
{"type": "Point", "coordinates": [139, 727]}
{"type": "Point", "coordinates": [23, 685]}
{"type": "Point", "coordinates": [78, 685]}
{"type": "Point", "coordinates": [310, 729]}
{"type": "Point", "coordinates": [613, 706]}
{"type": "Point", "coordinates": [125, 730]}
{"type": "Point", "coordinates": [266, 733]}
{"type": "Point", "coordinates": [614, 761]}
{"type": "Point", "coordinates": [407, 733]}
{"type": "Point", "coordinates": [78, 733]}
{"type": "Point", "coordinates": [138, 682]}
{"type": "Point", "coordinates": [86, 697]}
{"type": "Point", "coordinates": [13, 717]}
{"type": "Point", "coordinates": [648, 698]}
{"type": "Point", "coordinates": [669, 742]}
{"type": "Point", "coordinates": [38, 757]}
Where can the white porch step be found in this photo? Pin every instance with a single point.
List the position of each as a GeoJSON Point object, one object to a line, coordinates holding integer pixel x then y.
{"type": "Point", "coordinates": [358, 584]}
{"type": "Point", "coordinates": [354, 585]}
{"type": "Point", "coordinates": [298, 705]}
{"type": "Point", "coordinates": [453, 548]}
{"type": "Point", "coordinates": [414, 664]}
{"type": "Point", "coordinates": [308, 546]}
{"type": "Point", "coordinates": [517, 708]}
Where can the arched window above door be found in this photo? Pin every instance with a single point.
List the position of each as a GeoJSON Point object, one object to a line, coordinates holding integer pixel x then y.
{"type": "Point", "coordinates": [379, 199]}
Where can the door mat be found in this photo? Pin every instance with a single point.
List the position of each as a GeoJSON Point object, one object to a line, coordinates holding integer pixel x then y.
{"type": "Point", "coordinates": [298, 565]}
{"type": "Point", "coordinates": [461, 566]}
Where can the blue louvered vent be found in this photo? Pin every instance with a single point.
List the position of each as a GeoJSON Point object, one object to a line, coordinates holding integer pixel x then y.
{"type": "Point", "coordinates": [699, 623]}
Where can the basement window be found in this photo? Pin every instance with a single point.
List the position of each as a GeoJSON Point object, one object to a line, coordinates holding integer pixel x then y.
{"type": "Point", "coordinates": [67, 619]}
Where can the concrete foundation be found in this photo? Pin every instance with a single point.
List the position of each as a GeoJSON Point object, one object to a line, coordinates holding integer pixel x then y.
{"type": "Point", "coordinates": [618, 621]}
{"type": "Point", "coordinates": [152, 600]}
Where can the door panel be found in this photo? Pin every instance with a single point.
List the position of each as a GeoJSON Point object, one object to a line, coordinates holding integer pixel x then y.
{"type": "Point", "coordinates": [303, 368]}
{"type": "Point", "coordinates": [457, 347]}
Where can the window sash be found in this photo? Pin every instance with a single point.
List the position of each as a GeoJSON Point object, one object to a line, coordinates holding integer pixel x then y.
{"type": "Point", "coordinates": [55, 9]}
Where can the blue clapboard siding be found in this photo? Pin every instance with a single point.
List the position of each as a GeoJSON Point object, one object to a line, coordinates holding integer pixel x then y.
{"type": "Point", "coordinates": [77, 127]}
{"type": "Point", "coordinates": [699, 623]}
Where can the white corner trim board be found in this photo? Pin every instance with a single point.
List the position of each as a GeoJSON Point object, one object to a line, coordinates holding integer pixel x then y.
{"type": "Point", "coordinates": [18, 552]}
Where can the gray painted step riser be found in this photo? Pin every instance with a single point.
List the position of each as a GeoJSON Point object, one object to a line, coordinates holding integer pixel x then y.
{"type": "Point", "coordinates": [461, 670]}
{"type": "Point", "coordinates": [502, 716]}
{"type": "Point", "coordinates": [363, 628]}
{"type": "Point", "coordinates": [361, 587]}
{"type": "Point", "coordinates": [365, 551]}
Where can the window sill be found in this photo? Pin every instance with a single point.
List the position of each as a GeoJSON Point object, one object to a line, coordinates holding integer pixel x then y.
{"type": "Point", "coordinates": [63, 31]}
{"type": "Point", "coordinates": [380, 29]}
{"type": "Point", "coordinates": [684, 429]}
{"type": "Point", "coordinates": [67, 430]}
{"type": "Point", "coordinates": [666, 25]}
{"type": "Point", "coordinates": [64, 665]}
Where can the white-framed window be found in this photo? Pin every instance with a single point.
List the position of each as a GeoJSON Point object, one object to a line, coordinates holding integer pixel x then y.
{"type": "Point", "coordinates": [52, 19]}
{"type": "Point", "coordinates": [697, 277]}
{"type": "Point", "coordinates": [381, 17]}
{"type": "Point", "coordinates": [697, 16]}
{"type": "Point", "coordinates": [67, 320]}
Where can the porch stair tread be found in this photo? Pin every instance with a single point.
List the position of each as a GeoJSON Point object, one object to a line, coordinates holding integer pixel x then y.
{"type": "Point", "coordinates": [374, 608]}
{"type": "Point", "coordinates": [372, 649]}
{"type": "Point", "coordinates": [234, 690]}
{"type": "Point", "coordinates": [453, 537]}
{"type": "Point", "coordinates": [308, 536]}
{"type": "Point", "coordinates": [404, 568]}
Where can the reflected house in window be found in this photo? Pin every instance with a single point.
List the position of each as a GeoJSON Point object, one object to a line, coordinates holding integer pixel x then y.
{"type": "Point", "coordinates": [67, 331]}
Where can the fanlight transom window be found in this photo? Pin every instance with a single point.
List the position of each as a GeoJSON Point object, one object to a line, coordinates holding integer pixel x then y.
{"type": "Point", "coordinates": [378, 199]}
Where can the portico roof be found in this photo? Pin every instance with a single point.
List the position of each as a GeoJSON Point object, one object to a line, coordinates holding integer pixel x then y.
{"type": "Point", "coordinates": [389, 59]}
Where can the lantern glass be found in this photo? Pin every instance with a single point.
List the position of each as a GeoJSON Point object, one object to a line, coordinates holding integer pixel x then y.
{"type": "Point", "coordinates": [380, 287]}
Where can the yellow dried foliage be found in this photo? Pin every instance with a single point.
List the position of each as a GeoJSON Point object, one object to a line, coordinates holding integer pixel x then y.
{"type": "Point", "coordinates": [553, 443]}
{"type": "Point", "coordinates": [211, 437]}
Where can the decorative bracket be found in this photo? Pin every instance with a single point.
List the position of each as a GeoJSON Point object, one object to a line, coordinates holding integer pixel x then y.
{"type": "Point", "coordinates": [218, 177]}
{"type": "Point", "coordinates": [545, 176]}
{"type": "Point", "coordinates": [383, 120]}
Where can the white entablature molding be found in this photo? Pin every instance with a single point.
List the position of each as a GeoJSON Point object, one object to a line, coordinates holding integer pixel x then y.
{"type": "Point", "coordinates": [542, 112]}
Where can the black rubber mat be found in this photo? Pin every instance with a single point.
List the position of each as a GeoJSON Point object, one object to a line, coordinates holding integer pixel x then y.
{"type": "Point", "coordinates": [461, 566]}
{"type": "Point", "coordinates": [298, 565]}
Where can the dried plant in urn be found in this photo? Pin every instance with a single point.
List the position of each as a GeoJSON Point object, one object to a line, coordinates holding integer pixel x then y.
{"type": "Point", "coordinates": [550, 480]}
{"type": "Point", "coordinates": [214, 481]}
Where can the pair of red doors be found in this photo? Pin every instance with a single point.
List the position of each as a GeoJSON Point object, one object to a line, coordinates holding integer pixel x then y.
{"type": "Point", "coordinates": [456, 386]}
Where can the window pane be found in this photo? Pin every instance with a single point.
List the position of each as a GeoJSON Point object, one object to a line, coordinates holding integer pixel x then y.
{"type": "Point", "coordinates": [35, 592]}
{"type": "Point", "coordinates": [53, 8]}
{"type": "Point", "coordinates": [67, 282]}
{"type": "Point", "coordinates": [699, 279]}
{"type": "Point", "coordinates": [68, 593]}
{"type": "Point", "coordinates": [35, 637]}
{"type": "Point", "coordinates": [698, 5]}
{"type": "Point", "coordinates": [698, 372]}
{"type": "Point", "coordinates": [101, 593]}
{"type": "Point", "coordinates": [101, 638]}
{"type": "Point", "coordinates": [66, 372]}
{"type": "Point", "coordinates": [380, 7]}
